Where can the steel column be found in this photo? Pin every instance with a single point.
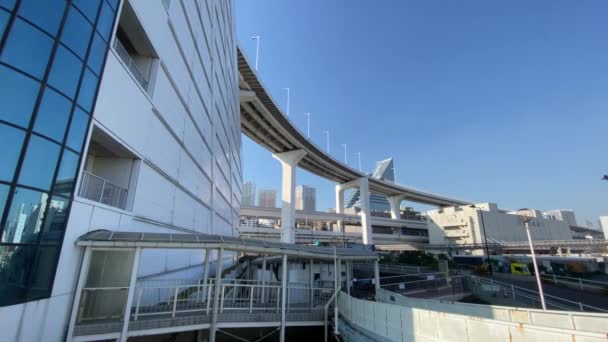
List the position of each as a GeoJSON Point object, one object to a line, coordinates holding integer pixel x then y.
{"type": "Point", "coordinates": [84, 270]}
{"type": "Point", "coordinates": [216, 293]}
{"type": "Point", "coordinates": [133, 280]}
{"type": "Point", "coordinates": [283, 296]}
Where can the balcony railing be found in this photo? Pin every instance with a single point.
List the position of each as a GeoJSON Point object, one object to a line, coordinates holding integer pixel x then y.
{"type": "Point", "coordinates": [100, 190]}
{"type": "Point", "coordinates": [130, 63]}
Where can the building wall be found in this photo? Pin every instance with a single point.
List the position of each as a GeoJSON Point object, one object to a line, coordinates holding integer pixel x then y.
{"type": "Point", "coordinates": [248, 194]}
{"type": "Point", "coordinates": [267, 199]}
{"type": "Point", "coordinates": [306, 198]}
{"type": "Point", "coordinates": [604, 225]}
{"type": "Point", "coordinates": [184, 133]}
{"type": "Point", "coordinates": [563, 215]}
{"type": "Point", "coordinates": [462, 225]}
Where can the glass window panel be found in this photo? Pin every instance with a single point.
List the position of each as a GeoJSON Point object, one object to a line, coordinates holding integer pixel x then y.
{"type": "Point", "coordinates": [88, 88]}
{"type": "Point", "coordinates": [106, 19]}
{"type": "Point", "coordinates": [113, 3]}
{"type": "Point", "coordinates": [98, 51]}
{"type": "Point", "coordinates": [41, 275]}
{"type": "Point", "coordinates": [65, 72]}
{"type": "Point", "coordinates": [3, 194]}
{"type": "Point", "coordinates": [88, 7]}
{"type": "Point", "coordinates": [3, 21]}
{"type": "Point", "coordinates": [78, 128]}
{"type": "Point", "coordinates": [77, 33]}
{"type": "Point", "coordinates": [17, 96]}
{"type": "Point", "coordinates": [11, 141]}
{"type": "Point", "coordinates": [8, 3]}
{"type": "Point", "coordinates": [16, 262]}
{"type": "Point", "coordinates": [24, 218]}
{"type": "Point", "coordinates": [67, 173]}
{"type": "Point", "coordinates": [110, 269]}
{"type": "Point", "coordinates": [39, 165]}
{"type": "Point", "coordinates": [56, 217]}
{"type": "Point", "coordinates": [53, 115]}
{"type": "Point", "coordinates": [27, 49]}
{"type": "Point", "coordinates": [47, 15]}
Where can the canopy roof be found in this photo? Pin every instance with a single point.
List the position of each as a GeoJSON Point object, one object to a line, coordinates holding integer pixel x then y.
{"type": "Point", "coordinates": [111, 239]}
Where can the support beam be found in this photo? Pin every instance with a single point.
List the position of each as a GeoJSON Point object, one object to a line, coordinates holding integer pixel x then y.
{"type": "Point", "coordinates": [377, 277]}
{"type": "Point", "coordinates": [339, 206]}
{"type": "Point", "coordinates": [395, 203]}
{"type": "Point", "coordinates": [283, 296]}
{"type": "Point", "coordinates": [216, 295]}
{"type": "Point", "coordinates": [289, 162]}
{"type": "Point", "coordinates": [206, 273]}
{"type": "Point", "coordinates": [84, 271]}
{"type": "Point", "coordinates": [366, 217]}
{"type": "Point", "coordinates": [128, 305]}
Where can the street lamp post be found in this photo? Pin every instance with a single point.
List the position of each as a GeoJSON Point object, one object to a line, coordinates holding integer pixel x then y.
{"type": "Point", "coordinates": [308, 130]}
{"type": "Point", "coordinates": [327, 134]}
{"type": "Point", "coordinates": [485, 238]}
{"type": "Point", "coordinates": [526, 218]}
{"type": "Point", "coordinates": [345, 160]}
{"type": "Point", "coordinates": [287, 100]}
{"type": "Point", "coordinates": [257, 50]}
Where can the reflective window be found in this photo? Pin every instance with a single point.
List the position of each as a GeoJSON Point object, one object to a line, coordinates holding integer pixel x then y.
{"type": "Point", "coordinates": [65, 72]}
{"type": "Point", "coordinates": [8, 3]}
{"type": "Point", "coordinates": [53, 115]}
{"type": "Point", "coordinates": [3, 194]}
{"type": "Point", "coordinates": [18, 96]}
{"type": "Point", "coordinates": [16, 262]}
{"type": "Point", "coordinates": [98, 50]}
{"type": "Point", "coordinates": [113, 3]}
{"type": "Point", "coordinates": [88, 88]}
{"type": "Point", "coordinates": [47, 17]}
{"type": "Point", "coordinates": [27, 49]}
{"type": "Point", "coordinates": [42, 272]}
{"type": "Point", "coordinates": [66, 177]}
{"type": "Point", "coordinates": [106, 19]}
{"type": "Point", "coordinates": [77, 33]}
{"type": "Point", "coordinates": [11, 140]}
{"type": "Point", "coordinates": [78, 129]}
{"type": "Point", "coordinates": [3, 21]}
{"type": "Point", "coordinates": [39, 164]}
{"type": "Point", "coordinates": [88, 7]}
{"type": "Point", "coordinates": [54, 223]}
{"type": "Point", "coordinates": [24, 218]}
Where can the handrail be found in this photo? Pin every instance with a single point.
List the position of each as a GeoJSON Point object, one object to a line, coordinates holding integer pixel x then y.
{"type": "Point", "coordinates": [98, 189]}
{"type": "Point", "coordinates": [326, 311]}
{"type": "Point", "coordinates": [576, 281]}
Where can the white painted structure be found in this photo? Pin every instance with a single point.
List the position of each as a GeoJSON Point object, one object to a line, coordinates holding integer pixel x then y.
{"type": "Point", "coordinates": [462, 225]}
{"type": "Point", "coordinates": [566, 215]}
{"type": "Point", "coordinates": [604, 225]}
{"type": "Point", "coordinates": [174, 145]}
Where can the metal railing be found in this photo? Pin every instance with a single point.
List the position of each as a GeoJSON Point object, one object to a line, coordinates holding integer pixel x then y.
{"type": "Point", "coordinates": [582, 284]}
{"type": "Point", "coordinates": [517, 296]}
{"type": "Point", "coordinates": [97, 189]}
{"type": "Point", "coordinates": [393, 268]}
{"type": "Point", "coordinates": [131, 65]}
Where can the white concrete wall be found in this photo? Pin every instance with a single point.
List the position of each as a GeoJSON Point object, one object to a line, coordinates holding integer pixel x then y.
{"type": "Point", "coordinates": [399, 323]}
{"type": "Point", "coordinates": [464, 226]}
{"type": "Point", "coordinates": [187, 135]}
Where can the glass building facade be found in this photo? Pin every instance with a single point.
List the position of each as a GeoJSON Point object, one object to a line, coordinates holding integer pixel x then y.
{"type": "Point", "coordinates": [52, 54]}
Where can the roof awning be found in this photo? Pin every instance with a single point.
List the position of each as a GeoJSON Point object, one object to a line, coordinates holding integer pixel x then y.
{"type": "Point", "coordinates": [111, 239]}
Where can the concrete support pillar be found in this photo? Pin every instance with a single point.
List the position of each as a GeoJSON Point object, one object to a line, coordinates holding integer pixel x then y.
{"type": "Point", "coordinates": [216, 295]}
{"type": "Point", "coordinates": [366, 218]}
{"type": "Point", "coordinates": [395, 203]}
{"type": "Point", "coordinates": [132, 282]}
{"type": "Point", "coordinates": [339, 206]}
{"type": "Point", "coordinates": [289, 161]}
{"type": "Point", "coordinates": [283, 297]}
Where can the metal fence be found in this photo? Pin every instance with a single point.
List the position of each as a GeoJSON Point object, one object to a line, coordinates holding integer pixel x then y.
{"type": "Point", "coordinates": [509, 294]}
{"type": "Point", "coordinates": [97, 189]}
{"type": "Point", "coordinates": [393, 268]}
{"type": "Point", "coordinates": [582, 284]}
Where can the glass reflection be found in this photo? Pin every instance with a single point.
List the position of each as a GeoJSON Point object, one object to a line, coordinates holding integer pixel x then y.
{"type": "Point", "coordinates": [53, 115]}
{"type": "Point", "coordinates": [18, 96]}
{"type": "Point", "coordinates": [78, 128]}
{"type": "Point", "coordinates": [39, 165]}
{"type": "Point", "coordinates": [27, 49]}
{"type": "Point", "coordinates": [11, 140]}
{"type": "Point", "coordinates": [15, 262]}
{"type": "Point", "coordinates": [77, 33]}
{"type": "Point", "coordinates": [42, 272]}
{"type": "Point", "coordinates": [88, 88]}
{"type": "Point", "coordinates": [25, 215]}
{"type": "Point", "coordinates": [66, 176]}
{"type": "Point", "coordinates": [47, 17]}
{"type": "Point", "coordinates": [54, 223]}
{"type": "Point", "coordinates": [65, 72]}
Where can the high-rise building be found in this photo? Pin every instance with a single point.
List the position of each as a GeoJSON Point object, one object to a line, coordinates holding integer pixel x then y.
{"type": "Point", "coordinates": [565, 215]}
{"type": "Point", "coordinates": [248, 195]}
{"type": "Point", "coordinates": [384, 170]}
{"type": "Point", "coordinates": [267, 198]}
{"type": "Point", "coordinates": [88, 114]}
{"type": "Point", "coordinates": [604, 225]}
{"type": "Point", "coordinates": [306, 198]}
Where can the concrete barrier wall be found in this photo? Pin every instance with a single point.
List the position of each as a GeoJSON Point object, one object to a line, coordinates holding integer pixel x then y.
{"type": "Point", "coordinates": [403, 323]}
{"type": "Point", "coordinates": [590, 322]}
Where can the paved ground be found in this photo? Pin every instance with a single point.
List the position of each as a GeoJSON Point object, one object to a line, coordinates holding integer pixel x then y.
{"type": "Point", "coordinates": [585, 297]}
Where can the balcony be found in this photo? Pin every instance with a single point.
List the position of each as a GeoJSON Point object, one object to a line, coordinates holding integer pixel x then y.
{"type": "Point", "coordinates": [138, 74]}
{"type": "Point", "coordinates": [100, 190]}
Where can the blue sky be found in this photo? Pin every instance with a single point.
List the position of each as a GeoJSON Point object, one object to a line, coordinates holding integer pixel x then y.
{"type": "Point", "coordinates": [494, 101]}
